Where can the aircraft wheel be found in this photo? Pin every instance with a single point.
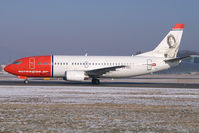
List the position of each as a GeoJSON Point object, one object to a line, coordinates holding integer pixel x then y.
{"type": "Point", "coordinates": [95, 81]}
{"type": "Point", "coordinates": [26, 81]}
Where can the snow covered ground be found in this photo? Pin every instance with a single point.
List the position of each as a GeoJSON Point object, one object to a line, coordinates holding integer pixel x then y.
{"type": "Point", "coordinates": [98, 109]}
{"type": "Point", "coordinates": [92, 95]}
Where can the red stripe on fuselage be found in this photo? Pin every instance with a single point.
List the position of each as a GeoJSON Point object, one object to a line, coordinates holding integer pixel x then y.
{"type": "Point", "coordinates": [35, 66]}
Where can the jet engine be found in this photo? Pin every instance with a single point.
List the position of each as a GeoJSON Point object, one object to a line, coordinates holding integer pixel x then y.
{"type": "Point", "coordinates": [75, 76]}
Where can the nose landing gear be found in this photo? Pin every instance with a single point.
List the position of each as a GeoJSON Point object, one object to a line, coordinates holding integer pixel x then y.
{"type": "Point", "coordinates": [26, 81]}
{"type": "Point", "coordinates": [95, 81]}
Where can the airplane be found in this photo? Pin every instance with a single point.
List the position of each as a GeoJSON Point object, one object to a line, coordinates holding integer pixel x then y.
{"type": "Point", "coordinates": [81, 68]}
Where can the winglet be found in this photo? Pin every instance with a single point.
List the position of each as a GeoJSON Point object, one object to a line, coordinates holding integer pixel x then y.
{"type": "Point", "coordinates": [179, 26]}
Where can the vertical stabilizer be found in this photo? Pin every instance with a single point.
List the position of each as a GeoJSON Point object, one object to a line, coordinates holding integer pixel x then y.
{"type": "Point", "coordinates": [168, 47]}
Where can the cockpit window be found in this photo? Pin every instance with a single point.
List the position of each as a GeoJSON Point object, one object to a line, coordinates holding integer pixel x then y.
{"type": "Point", "coordinates": [17, 62]}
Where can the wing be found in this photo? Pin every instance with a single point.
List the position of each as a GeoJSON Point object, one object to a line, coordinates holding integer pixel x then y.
{"type": "Point", "coordinates": [101, 71]}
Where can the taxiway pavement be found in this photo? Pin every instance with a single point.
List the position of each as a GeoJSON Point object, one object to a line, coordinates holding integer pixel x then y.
{"type": "Point", "coordinates": [103, 84]}
{"type": "Point", "coordinates": [155, 81]}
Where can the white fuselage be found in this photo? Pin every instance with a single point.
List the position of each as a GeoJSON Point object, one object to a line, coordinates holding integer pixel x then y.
{"type": "Point", "coordinates": [135, 65]}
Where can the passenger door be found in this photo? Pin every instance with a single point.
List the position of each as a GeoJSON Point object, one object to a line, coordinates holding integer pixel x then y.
{"type": "Point", "coordinates": [32, 63]}
{"type": "Point", "coordinates": [149, 64]}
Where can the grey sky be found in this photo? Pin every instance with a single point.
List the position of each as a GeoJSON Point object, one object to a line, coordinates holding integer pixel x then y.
{"type": "Point", "coordinates": [98, 27]}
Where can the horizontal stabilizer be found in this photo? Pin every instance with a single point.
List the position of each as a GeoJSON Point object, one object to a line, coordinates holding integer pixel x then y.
{"type": "Point", "coordinates": [177, 59]}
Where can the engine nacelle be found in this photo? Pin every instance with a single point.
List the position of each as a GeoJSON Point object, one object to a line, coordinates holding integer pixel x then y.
{"type": "Point", "coordinates": [75, 75]}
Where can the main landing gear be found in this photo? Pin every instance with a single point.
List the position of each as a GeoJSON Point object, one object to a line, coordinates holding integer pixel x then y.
{"type": "Point", "coordinates": [95, 81]}
{"type": "Point", "coordinates": [26, 81]}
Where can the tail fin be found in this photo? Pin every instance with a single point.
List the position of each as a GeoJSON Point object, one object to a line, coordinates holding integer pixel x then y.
{"type": "Point", "coordinates": [168, 47]}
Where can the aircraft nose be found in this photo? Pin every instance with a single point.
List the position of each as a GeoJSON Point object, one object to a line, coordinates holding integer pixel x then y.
{"type": "Point", "coordinates": [7, 68]}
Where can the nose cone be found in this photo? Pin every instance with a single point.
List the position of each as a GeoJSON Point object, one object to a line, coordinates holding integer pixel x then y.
{"type": "Point", "coordinates": [8, 69]}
